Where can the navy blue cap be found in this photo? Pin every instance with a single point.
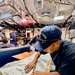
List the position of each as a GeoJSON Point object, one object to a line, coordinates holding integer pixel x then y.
{"type": "Point", "coordinates": [48, 35]}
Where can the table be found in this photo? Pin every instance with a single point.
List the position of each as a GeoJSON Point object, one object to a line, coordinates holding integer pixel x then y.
{"type": "Point", "coordinates": [23, 55]}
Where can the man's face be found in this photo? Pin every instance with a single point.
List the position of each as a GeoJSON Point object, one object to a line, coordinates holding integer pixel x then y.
{"type": "Point", "coordinates": [37, 32]}
{"type": "Point", "coordinates": [53, 47]}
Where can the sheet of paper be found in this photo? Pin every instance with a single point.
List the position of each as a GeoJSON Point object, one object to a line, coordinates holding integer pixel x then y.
{"type": "Point", "coordinates": [17, 67]}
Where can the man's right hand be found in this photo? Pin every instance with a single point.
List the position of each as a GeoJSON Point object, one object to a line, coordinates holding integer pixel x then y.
{"type": "Point", "coordinates": [29, 67]}
{"type": "Point", "coordinates": [32, 65]}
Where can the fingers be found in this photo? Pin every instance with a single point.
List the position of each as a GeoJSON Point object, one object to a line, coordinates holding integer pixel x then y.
{"type": "Point", "coordinates": [28, 68]}
{"type": "Point", "coordinates": [32, 74]}
{"type": "Point", "coordinates": [34, 68]}
{"type": "Point", "coordinates": [35, 73]}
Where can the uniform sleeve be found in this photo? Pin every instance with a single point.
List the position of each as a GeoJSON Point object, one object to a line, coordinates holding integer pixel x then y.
{"type": "Point", "coordinates": [32, 41]}
{"type": "Point", "coordinates": [68, 64]}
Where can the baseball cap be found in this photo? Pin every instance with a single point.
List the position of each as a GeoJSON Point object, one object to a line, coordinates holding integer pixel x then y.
{"type": "Point", "coordinates": [47, 36]}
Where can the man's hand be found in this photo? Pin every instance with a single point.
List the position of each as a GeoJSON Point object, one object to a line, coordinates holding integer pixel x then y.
{"type": "Point", "coordinates": [44, 73]}
{"type": "Point", "coordinates": [40, 73]}
{"type": "Point", "coordinates": [30, 66]}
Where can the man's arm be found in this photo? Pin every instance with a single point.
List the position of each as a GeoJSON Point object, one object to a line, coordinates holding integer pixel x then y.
{"type": "Point", "coordinates": [1, 73]}
{"type": "Point", "coordinates": [32, 65]}
{"type": "Point", "coordinates": [54, 73]}
{"type": "Point", "coordinates": [44, 73]}
{"type": "Point", "coordinates": [32, 41]}
{"type": "Point", "coordinates": [36, 57]}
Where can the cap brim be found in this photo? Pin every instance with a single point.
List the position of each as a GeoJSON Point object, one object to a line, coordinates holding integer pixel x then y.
{"type": "Point", "coordinates": [40, 46]}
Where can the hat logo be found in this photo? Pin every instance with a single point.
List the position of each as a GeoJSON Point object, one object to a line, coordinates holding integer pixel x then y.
{"type": "Point", "coordinates": [44, 36]}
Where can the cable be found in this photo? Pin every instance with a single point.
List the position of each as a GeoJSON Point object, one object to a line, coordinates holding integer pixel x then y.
{"type": "Point", "coordinates": [29, 12]}
{"type": "Point", "coordinates": [72, 15]}
{"type": "Point", "coordinates": [66, 21]}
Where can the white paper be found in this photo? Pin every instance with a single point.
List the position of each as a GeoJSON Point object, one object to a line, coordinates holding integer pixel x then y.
{"type": "Point", "coordinates": [17, 67]}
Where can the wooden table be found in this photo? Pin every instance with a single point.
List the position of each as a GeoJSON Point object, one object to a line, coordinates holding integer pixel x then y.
{"type": "Point", "coordinates": [23, 55]}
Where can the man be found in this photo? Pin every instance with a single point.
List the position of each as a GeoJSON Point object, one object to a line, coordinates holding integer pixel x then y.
{"type": "Point", "coordinates": [5, 43]}
{"type": "Point", "coordinates": [34, 39]}
{"type": "Point", "coordinates": [2, 35]}
{"type": "Point", "coordinates": [12, 37]}
{"type": "Point", "coordinates": [62, 52]}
